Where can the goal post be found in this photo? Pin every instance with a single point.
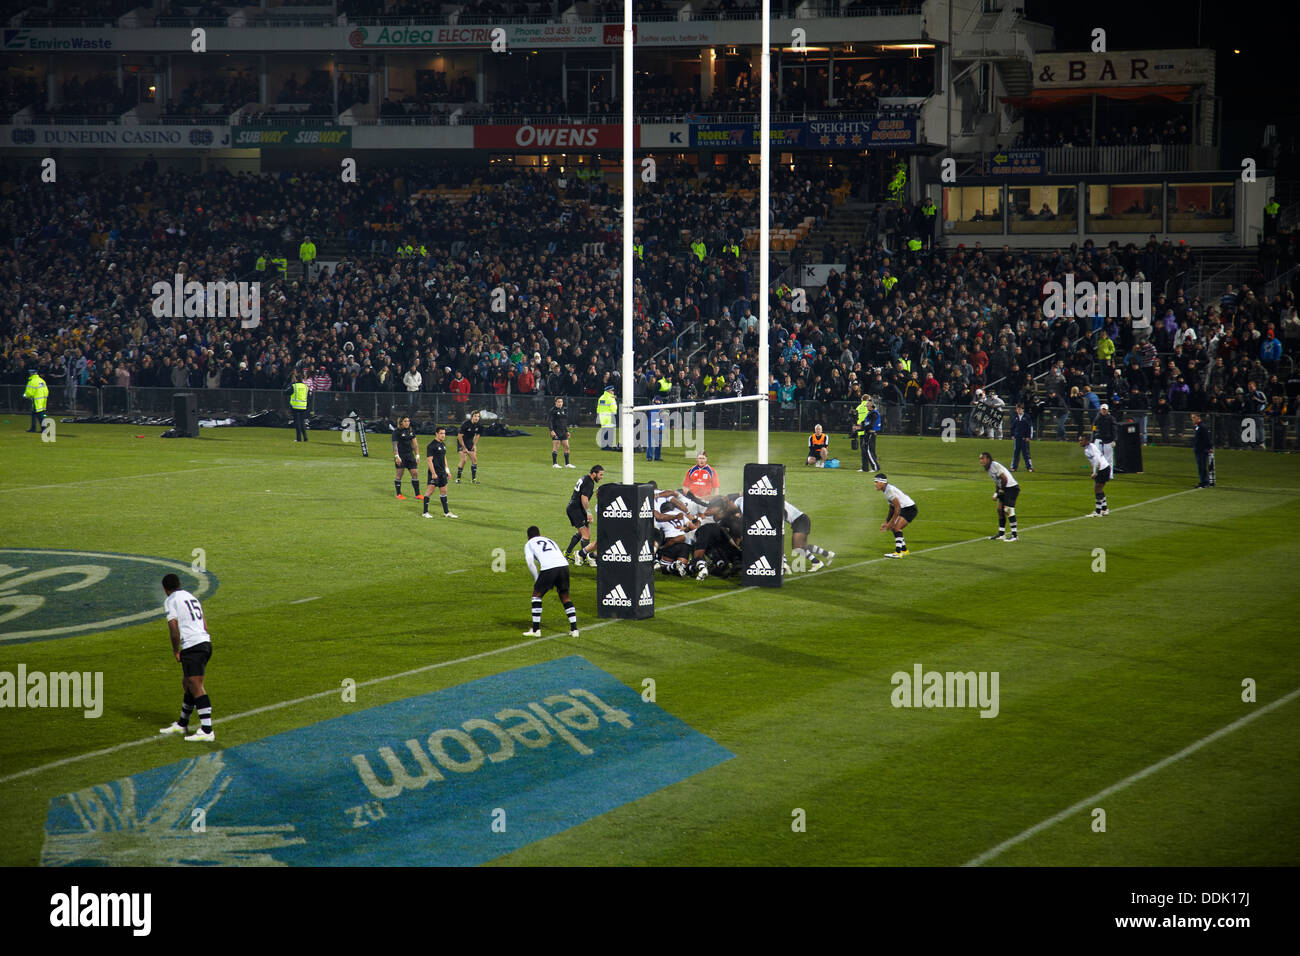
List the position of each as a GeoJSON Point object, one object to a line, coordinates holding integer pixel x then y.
{"type": "Point", "coordinates": [627, 406]}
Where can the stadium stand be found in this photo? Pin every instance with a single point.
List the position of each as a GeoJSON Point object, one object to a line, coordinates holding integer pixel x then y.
{"type": "Point", "coordinates": [918, 330]}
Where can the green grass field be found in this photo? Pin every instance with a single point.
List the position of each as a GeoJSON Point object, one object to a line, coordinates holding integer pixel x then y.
{"type": "Point", "coordinates": [1102, 675]}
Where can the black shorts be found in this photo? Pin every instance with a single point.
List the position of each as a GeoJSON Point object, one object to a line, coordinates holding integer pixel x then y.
{"type": "Point", "coordinates": [437, 480]}
{"type": "Point", "coordinates": [710, 536]}
{"type": "Point", "coordinates": [557, 578]}
{"type": "Point", "coordinates": [194, 660]}
{"type": "Point", "coordinates": [562, 435]}
{"type": "Point", "coordinates": [672, 552]}
{"type": "Point", "coordinates": [577, 517]}
{"type": "Point", "coordinates": [801, 525]}
{"type": "Point", "coordinates": [1102, 476]}
{"type": "Point", "coordinates": [408, 463]}
{"type": "Point", "coordinates": [1007, 496]}
{"type": "Point", "coordinates": [908, 514]}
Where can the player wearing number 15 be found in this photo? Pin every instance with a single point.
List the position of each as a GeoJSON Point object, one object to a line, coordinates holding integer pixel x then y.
{"type": "Point", "coordinates": [550, 569]}
{"type": "Point", "coordinates": [192, 647]}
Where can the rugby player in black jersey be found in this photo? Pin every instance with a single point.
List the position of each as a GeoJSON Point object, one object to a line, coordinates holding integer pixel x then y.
{"type": "Point", "coordinates": [435, 457]}
{"type": "Point", "coordinates": [559, 433]}
{"type": "Point", "coordinates": [579, 515]}
{"type": "Point", "coordinates": [406, 456]}
{"type": "Point", "coordinates": [467, 444]}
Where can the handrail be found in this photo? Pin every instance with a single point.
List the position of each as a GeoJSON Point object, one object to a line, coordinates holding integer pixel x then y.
{"type": "Point", "coordinates": [298, 20]}
{"type": "Point", "coordinates": [1273, 286]}
{"type": "Point", "coordinates": [443, 117]}
{"type": "Point", "coordinates": [1050, 357]}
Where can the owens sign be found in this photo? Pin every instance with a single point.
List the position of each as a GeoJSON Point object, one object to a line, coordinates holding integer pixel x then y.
{"type": "Point", "coordinates": [552, 137]}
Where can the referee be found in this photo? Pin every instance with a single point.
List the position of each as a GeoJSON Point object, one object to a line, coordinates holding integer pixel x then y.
{"type": "Point", "coordinates": [1203, 447]}
{"type": "Point", "coordinates": [1105, 433]}
{"type": "Point", "coordinates": [550, 569]}
{"type": "Point", "coordinates": [1022, 430]}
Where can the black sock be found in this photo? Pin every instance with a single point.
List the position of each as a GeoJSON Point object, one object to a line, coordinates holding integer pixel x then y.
{"type": "Point", "coordinates": [460, 471]}
{"type": "Point", "coordinates": [444, 505]}
{"type": "Point", "coordinates": [537, 614]}
{"type": "Point", "coordinates": [473, 472]}
{"type": "Point", "coordinates": [572, 541]}
{"type": "Point", "coordinates": [1002, 523]}
{"type": "Point", "coordinates": [187, 708]}
{"type": "Point", "coordinates": [572, 613]}
{"type": "Point", "coordinates": [416, 485]}
{"type": "Point", "coordinates": [425, 509]}
{"type": "Point", "coordinates": [204, 706]}
{"type": "Point", "coordinates": [566, 457]}
{"type": "Point", "coordinates": [397, 483]}
{"type": "Point", "coordinates": [555, 458]}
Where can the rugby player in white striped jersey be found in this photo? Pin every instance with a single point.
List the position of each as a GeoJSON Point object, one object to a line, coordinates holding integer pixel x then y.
{"type": "Point", "coordinates": [1096, 455]}
{"type": "Point", "coordinates": [902, 512]}
{"type": "Point", "coordinates": [192, 648]}
{"type": "Point", "coordinates": [550, 569]}
{"type": "Point", "coordinates": [1005, 492]}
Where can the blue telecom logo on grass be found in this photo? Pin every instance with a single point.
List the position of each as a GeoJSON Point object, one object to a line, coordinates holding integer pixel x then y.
{"type": "Point", "coordinates": [46, 593]}
{"type": "Point", "coordinates": [456, 777]}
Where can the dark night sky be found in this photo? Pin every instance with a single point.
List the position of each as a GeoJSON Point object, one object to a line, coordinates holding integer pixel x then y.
{"type": "Point", "coordinates": [1261, 83]}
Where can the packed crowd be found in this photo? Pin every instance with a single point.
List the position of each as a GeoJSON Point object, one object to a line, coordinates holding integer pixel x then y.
{"type": "Point", "coordinates": [95, 96]}
{"type": "Point", "coordinates": [1044, 130]}
{"type": "Point", "coordinates": [436, 96]}
{"type": "Point", "coordinates": [91, 12]}
{"type": "Point", "coordinates": [17, 92]}
{"type": "Point", "coordinates": [198, 100]}
{"type": "Point", "coordinates": [924, 327]}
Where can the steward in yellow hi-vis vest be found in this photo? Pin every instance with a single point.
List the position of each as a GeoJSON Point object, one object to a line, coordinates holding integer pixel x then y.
{"type": "Point", "coordinates": [298, 402]}
{"type": "Point", "coordinates": [39, 393]}
{"type": "Point", "coordinates": [606, 413]}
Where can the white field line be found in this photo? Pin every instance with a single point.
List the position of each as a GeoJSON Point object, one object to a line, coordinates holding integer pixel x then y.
{"type": "Point", "coordinates": [1128, 781]}
{"type": "Point", "coordinates": [33, 771]}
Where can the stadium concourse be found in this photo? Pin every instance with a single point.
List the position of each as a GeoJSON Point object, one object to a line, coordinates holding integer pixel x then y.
{"type": "Point", "coordinates": [912, 328]}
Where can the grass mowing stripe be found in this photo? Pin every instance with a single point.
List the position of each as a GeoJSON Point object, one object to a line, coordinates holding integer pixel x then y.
{"type": "Point", "coordinates": [32, 771]}
{"type": "Point", "coordinates": [1128, 781]}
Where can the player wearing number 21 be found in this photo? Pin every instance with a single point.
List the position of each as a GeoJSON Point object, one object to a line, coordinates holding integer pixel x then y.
{"type": "Point", "coordinates": [192, 647]}
{"type": "Point", "coordinates": [550, 570]}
